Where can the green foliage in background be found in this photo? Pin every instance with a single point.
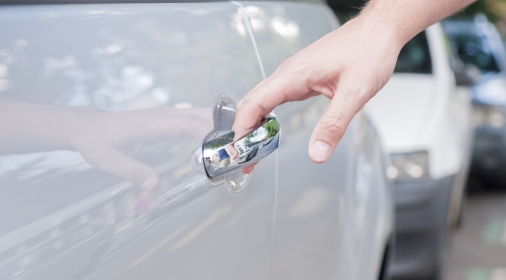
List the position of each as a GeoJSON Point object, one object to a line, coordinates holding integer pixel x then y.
{"type": "Point", "coordinates": [495, 10]}
{"type": "Point", "coordinates": [272, 128]}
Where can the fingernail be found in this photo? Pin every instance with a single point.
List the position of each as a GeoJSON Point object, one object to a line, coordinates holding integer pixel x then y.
{"type": "Point", "coordinates": [320, 151]}
{"type": "Point", "coordinates": [148, 183]}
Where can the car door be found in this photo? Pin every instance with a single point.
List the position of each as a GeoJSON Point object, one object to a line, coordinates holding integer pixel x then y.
{"type": "Point", "coordinates": [333, 220]}
{"type": "Point", "coordinates": [63, 215]}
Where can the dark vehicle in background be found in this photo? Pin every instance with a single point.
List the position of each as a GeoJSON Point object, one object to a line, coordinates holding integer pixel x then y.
{"type": "Point", "coordinates": [478, 43]}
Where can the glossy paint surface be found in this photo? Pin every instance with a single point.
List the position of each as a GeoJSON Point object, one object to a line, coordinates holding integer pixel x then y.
{"type": "Point", "coordinates": [142, 79]}
{"type": "Point", "coordinates": [334, 219]}
{"type": "Point", "coordinates": [62, 217]}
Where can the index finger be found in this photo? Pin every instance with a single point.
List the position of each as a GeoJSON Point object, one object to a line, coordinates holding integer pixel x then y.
{"type": "Point", "coordinates": [261, 100]}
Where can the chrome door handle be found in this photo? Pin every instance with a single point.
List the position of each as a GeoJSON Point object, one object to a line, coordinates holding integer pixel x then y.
{"type": "Point", "coordinates": [222, 152]}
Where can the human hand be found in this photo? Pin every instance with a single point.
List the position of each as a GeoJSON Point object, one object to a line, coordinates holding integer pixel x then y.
{"type": "Point", "coordinates": [349, 65]}
{"type": "Point", "coordinates": [111, 140]}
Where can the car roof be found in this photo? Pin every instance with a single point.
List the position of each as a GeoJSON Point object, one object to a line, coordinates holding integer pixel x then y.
{"type": "Point", "coordinates": [40, 2]}
{"type": "Point", "coordinates": [460, 27]}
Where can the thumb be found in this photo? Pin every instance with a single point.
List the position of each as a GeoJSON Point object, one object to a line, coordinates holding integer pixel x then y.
{"type": "Point", "coordinates": [332, 125]}
{"type": "Point", "coordinates": [114, 162]}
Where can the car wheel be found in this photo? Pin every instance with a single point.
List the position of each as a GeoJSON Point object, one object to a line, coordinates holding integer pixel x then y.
{"type": "Point", "coordinates": [435, 275]}
{"type": "Point", "coordinates": [386, 264]}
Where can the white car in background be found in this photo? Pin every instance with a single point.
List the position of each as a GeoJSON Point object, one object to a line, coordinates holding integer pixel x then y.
{"type": "Point", "coordinates": [424, 120]}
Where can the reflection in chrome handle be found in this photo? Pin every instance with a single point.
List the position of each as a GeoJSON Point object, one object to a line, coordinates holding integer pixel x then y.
{"type": "Point", "coordinates": [223, 152]}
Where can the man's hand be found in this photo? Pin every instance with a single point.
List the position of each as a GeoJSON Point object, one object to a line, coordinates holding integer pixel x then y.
{"type": "Point", "coordinates": [349, 65]}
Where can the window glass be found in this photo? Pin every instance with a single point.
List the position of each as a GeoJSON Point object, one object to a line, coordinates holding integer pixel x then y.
{"type": "Point", "coordinates": [19, 2]}
{"type": "Point", "coordinates": [415, 56]}
{"type": "Point", "coordinates": [475, 49]}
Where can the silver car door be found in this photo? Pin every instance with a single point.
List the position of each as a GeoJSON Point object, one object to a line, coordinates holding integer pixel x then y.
{"type": "Point", "coordinates": [157, 68]}
{"type": "Point", "coordinates": [333, 220]}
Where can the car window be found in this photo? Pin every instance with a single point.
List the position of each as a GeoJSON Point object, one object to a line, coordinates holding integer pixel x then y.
{"type": "Point", "coordinates": [415, 56]}
{"type": "Point", "coordinates": [475, 49]}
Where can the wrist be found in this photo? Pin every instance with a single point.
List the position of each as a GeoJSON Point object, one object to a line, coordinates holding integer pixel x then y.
{"type": "Point", "coordinates": [372, 28]}
{"type": "Point", "coordinates": [385, 21]}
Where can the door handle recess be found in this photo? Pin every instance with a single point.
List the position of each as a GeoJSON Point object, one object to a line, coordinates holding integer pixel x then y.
{"type": "Point", "coordinates": [223, 152]}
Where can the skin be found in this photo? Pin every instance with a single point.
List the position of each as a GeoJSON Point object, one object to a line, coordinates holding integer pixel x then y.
{"type": "Point", "coordinates": [349, 66]}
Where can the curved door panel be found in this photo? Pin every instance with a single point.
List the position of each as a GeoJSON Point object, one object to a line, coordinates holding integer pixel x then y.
{"type": "Point", "coordinates": [312, 199]}
{"type": "Point", "coordinates": [332, 219]}
{"type": "Point", "coordinates": [95, 98]}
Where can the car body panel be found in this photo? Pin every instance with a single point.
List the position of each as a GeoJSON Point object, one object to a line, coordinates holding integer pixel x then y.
{"type": "Point", "coordinates": [128, 57]}
{"type": "Point", "coordinates": [294, 220]}
{"type": "Point", "coordinates": [341, 221]}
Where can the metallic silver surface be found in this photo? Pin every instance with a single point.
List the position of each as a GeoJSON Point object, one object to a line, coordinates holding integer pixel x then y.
{"type": "Point", "coordinates": [140, 80]}
{"type": "Point", "coordinates": [333, 220]}
{"type": "Point", "coordinates": [94, 97]}
{"type": "Point", "coordinates": [224, 151]}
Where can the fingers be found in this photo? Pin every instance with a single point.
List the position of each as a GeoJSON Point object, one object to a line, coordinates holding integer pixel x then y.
{"type": "Point", "coordinates": [114, 162]}
{"type": "Point", "coordinates": [249, 169]}
{"type": "Point", "coordinates": [286, 84]}
{"type": "Point", "coordinates": [279, 88]}
{"type": "Point", "coordinates": [332, 125]}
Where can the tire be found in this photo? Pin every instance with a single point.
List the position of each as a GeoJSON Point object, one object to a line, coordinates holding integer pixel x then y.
{"type": "Point", "coordinates": [385, 273]}
{"type": "Point", "coordinates": [436, 275]}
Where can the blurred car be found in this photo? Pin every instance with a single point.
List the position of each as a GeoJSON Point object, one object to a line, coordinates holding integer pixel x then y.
{"type": "Point", "coordinates": [113, 71]}
{"type": "Point", "coordinates": [424, 121]}
{"type": "Point", "coordinates": [478, 43]}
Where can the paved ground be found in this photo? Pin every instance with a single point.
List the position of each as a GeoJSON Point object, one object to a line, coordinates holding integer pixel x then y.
{"type": "Point", "coordinates": [478, 250]}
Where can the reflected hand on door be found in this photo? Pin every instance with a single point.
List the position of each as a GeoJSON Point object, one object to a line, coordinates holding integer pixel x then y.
{"type": "Point", "coordinates": [111, 140]}
{"type": "Point", "coordinates": [106, 140]}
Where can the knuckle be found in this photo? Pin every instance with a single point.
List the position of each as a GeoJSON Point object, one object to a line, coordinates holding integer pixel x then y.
{"type": "Point", "coordinates": [247, 100]}
{"type": "Point", "coordinates": [239, 104]}
{"type": "Point", "coordinates": [285, 65]}
{"type": "Point", "coordinates": [289, 66]}
{"type": "Point", "coordinates": [332, 126]}
{"type": "Point", "coordinates": [360, 92]}
{"type": "Point", "coordinates": [363, 95]}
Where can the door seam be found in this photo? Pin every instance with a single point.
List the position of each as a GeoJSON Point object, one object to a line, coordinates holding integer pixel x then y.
{"type": "Point", "coordinates": [251, 36]}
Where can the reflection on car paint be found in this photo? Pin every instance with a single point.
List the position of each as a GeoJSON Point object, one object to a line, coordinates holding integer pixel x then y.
{"type": "Point", "coordinates": [111, 218]}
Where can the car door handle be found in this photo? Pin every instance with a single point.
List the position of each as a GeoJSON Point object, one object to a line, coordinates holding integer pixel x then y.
{"type": "Point", "coordinates": [223, 152]}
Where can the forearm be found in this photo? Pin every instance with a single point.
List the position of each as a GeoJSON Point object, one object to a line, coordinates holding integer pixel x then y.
{"type": "Point", "coordinates": [27, 127]}
{"type": "Point", "coordinates": [406, 18]}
